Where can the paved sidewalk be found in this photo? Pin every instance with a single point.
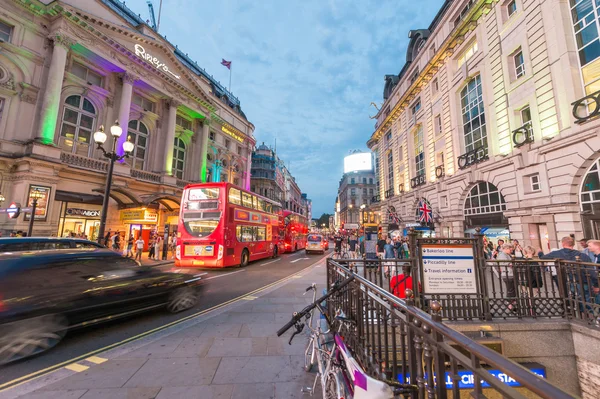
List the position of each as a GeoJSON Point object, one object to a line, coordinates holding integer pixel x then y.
{"type": "Point", "coordinates": [232, 352]}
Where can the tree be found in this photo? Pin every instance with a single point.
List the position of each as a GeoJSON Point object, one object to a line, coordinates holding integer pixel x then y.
{"type": "Point", "coordinates": [323, 220]}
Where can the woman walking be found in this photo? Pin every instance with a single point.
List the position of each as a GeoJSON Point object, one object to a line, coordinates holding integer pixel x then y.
{"type": "Point", "coordinates": [151, 248]}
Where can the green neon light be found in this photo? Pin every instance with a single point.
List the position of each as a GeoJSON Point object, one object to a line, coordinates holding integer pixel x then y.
{"type": "Point", "coordinates": [49, 124]}
{"type": "Point", "coordinates": [203, 173]}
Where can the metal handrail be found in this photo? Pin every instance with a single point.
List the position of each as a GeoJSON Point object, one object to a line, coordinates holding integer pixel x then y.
{"type": "Point", "coordinates": [434, 328]}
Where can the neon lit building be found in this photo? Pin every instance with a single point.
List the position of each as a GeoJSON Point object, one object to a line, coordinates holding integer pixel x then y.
{"type": "Point", "coordinates": [486, 122]}
{"type": "Point", "coordinates": [67, 67]}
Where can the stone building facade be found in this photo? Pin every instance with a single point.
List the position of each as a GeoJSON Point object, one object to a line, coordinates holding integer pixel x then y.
{"type": "Point", "coordinates": [355, 195]}
{"type": "Point", "coordinates": [486, 122]}
{"type": "Point", "coordinates": [68, 67]}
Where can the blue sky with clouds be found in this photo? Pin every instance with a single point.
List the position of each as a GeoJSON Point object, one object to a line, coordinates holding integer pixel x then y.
{"type": "Point", "coordinates": [304, 71]}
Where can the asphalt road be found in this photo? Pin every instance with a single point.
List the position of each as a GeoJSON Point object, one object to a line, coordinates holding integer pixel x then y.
{"type": "Point", "coordinates": [219, 286]}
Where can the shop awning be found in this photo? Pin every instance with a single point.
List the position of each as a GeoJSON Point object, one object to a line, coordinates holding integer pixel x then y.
{"type": "Point", "coordinates": [69, 196]}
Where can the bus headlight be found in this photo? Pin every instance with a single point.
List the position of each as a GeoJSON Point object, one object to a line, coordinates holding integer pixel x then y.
{"type": "Point", "coordinates": [220, 255]}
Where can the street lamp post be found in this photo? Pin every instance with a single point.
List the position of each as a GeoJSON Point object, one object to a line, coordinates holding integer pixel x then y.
{"type": "Point", "coordinates": [35, 195]}
{"type": "Point", "coordinates": [100, 138]}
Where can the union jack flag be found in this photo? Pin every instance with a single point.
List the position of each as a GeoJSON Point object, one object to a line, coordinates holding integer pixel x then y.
{"type": "Point", "coordinates": [425, 212]}
{"type": "Point", "coordinates": [393, 217]}
{"type": "Point", "coordinates": [226, 63]}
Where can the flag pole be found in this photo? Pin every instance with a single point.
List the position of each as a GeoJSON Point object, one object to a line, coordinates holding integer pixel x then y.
{"type": "Point", "coordinates": [229, 79]}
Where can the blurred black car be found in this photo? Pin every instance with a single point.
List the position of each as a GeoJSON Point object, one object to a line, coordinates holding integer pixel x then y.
{"type": "Point", "coordinates": [19, 244]}
{"type": "Point", "coordinates": [45, 293]}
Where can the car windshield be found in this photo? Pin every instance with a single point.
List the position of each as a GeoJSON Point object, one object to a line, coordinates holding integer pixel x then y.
{"type": "Point", "coordinates": [314, 238]}
{"type": "Point", "coordinates": [203, 224]}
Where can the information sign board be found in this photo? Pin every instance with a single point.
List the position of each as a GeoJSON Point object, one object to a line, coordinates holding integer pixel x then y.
{"type": "Point", "coordinates": [448, 269]}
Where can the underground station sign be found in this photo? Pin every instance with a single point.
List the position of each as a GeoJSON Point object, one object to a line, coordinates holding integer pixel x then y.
{"type": "Point", "coordinates": [14, 210]}
{"type": "Point", "coordinates": [448, 269]}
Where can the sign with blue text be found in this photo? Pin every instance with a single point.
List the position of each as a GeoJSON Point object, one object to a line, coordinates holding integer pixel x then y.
{"type": "Point", "coordinates": [448, 269]}
{"type": "Point", "coordinates": [466, 378]}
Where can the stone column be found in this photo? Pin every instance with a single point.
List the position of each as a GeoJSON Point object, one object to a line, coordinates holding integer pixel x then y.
{"type": "Point", "coordinates": [170, 137]}
{"type": "Point", "coordinates": [193, 157]}
{"type": "Point", "coordinates": [204, 149]}
{"type": "Point", "coordinates": [124, 108]}
{"type": "Point", "coordinates": [51, 99]}
{"type": "Point", "coordinates": [248, 167]}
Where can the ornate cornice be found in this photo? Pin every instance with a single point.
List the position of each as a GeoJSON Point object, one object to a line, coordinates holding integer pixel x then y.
{"type": "Point", "coordinates": [129, 78]}
{"type": "Point", "coordinates": [61, 38]}
{"type": "Point", "coordinates": [457, 37]}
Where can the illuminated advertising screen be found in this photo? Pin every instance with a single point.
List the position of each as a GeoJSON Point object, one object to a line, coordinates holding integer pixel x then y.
{"type": "Point", "coordinates": [357, 162]}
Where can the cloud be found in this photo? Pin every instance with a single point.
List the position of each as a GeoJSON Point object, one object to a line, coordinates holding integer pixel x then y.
{"type": "Point", "coordinates": [305, 74]}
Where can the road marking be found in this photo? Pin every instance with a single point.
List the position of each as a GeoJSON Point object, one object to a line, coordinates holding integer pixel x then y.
{"type": "Point", "coordinates": [249, 298]}
{"type": "Point", "coordinates": [76, 367]}
{"type": "Point", "coordinates": [268, 263]}
{"type": "Point", "coordinates": [297, 276]}
{"type": "Point", "coordinates": [26, 378]}
{"type": "Point", "coordinates": [299, 259]}
{"type": "Point", "coordinates": [223, 275]}
{"type": "Point", "coordinates": [96, 359]}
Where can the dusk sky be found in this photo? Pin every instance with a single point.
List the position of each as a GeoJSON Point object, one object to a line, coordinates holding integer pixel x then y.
{"type": "Point", "coordinates": [305, 72]}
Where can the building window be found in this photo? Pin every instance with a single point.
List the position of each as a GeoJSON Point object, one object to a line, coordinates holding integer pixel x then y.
{"type": "Point", "coordinates": [139, 136]}
{"type": "Point", "coordinates": [370, 180]}
{"type": "Point", "coordinates": [390, 171]}
{"type": "Point", "coordinates": [586, 21]}
{"type": "Point", "coordinates": [370, 191]}
{"type": "Point", "coordinates": [416, 106]}
{"type": "Point", "coordinates": [224, 177]}
{"type": "Point", "coordinates": [437, 125]}
{"type": "Point", "coordinates": [525, 116]}
{"type": "Point", "coordinates": [388, 136]}
{"type": "Point", "coordinates": [590, 189]}
{"type": "Point", "coordinates": [463, 13]}
{"type": "Point", "coordinates": [143, 103]}
{"type": "Point", "coordinates": [535, 183]}
{"type": "Point", "coordinates": [419, 151]}
{"type": "Point", "coordinates": [182, 122]}
{"type": "Point", "coordinates": [414, 76]}
{"type": "Point", "coordinates": [444, 201]}
{"type": "Point", "coordinates": [227, 142]}
{"type": "Point", "coordinates": [5, 32]}
{"type": "Point", "coordinates": [353, 192]}
{"type": "Point", "coordinates": [484, 198]}
{"type": "Point", "coordinates": [511, 8]}
{"type": "Point", "coordinates": [352, 181]}
{"type": "Point", "coordinates": [364, 191]}
{"type": "Point", "coordinates": [439, 159]}
{"type": "Point", "coordinates": [211, 136]}
{"type": "Point", "coordinates": [178, 158]}
{"type": "Point", "coordinates": [473, 115]}
{"type": "Point", "coordinates": [519, 64]}
{"type": "Point", "coordinates": [435, 87]}
{"type": "Point", "coordinates": [239, 150]}
{"type": "Point", "coordinates": [364, 180]}
{"type": "Point", "coordinates": [86, 74]}
{"type": "Point", "coordinates": [467, 54]}
{"type": "Point", "coordinates": [79, 119]}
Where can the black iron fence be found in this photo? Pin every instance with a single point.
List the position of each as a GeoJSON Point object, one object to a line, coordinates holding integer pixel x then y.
{"type": "Point", "coordinates": [395, 339]}
{"type": "Point", "coordinates": [511, 289]}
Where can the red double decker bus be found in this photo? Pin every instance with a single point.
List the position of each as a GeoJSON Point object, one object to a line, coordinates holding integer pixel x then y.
{"type": "Point", "coordinates": [295, 228]}
{"type": "Point", "coordinates": [222, 225]}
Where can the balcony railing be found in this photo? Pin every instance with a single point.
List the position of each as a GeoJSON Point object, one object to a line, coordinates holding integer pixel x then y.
{"type": "Point", "coordinates": [418, 181]}
{"type": "Point", "coordinates": [182, 183]}
{"type": "Point", "coordinates": [440, 171]}
{"type": "Point", "coordinates": [473, 157]}
{"type": "Point", "coordinates": [375, 199]}
{"type": "Point", "coordinates": [84, 162]}
{"type": "Point", "coordinates": [523, 135]}
{"type": "Point", "coordinates": [587, 108]}
{"type": "Point", "coordinates": [146, 176]}
{"type": "Point", "coordinates": [389, 193]}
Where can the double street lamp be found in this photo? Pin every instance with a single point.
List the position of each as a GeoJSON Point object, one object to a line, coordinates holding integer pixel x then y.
{"type": "Point", "coordinates": [35, 195]}
{"type": "Point", "coordinates": [100, 138]}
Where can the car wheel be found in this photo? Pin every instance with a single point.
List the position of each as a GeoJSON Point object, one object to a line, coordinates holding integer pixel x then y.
{"type": "Point", "coordinates": [182, 299]}
{"type": "Point", "coordinates": [25, 338]}
{"type": "Point", "coordinates": [245, 258]}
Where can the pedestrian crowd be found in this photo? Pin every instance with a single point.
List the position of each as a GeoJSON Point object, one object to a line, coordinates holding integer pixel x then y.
{"type": "Point", "coordinates": [134, 248]}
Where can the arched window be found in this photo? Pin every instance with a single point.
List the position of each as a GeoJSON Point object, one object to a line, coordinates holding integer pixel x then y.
{"type": "Point", "coordinates": [484, 198]}
{"type": "Point", "coordinates": [590, 189]}
{"type": "Point", "coordinates": [178, 158]}
{"type": "Point", "coordinates": [419, 146]}
{"type": "Point", "coordinates": [471, 98]}
{"type": "Point", "coordinates": [139, 137]}
{"type": "Point", "coordinates": [78, 122]}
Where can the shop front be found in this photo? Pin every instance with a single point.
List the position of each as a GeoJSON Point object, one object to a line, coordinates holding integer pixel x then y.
{"type": "Point", "coordinates": [79, 215]}
{"type": "Point", "coordinates": [140, 222]}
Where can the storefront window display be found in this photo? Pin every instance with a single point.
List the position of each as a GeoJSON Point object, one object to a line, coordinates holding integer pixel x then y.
{"type": "Point", "coordinates": [79, 220]}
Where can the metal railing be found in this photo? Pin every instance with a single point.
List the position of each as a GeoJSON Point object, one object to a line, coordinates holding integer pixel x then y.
{"type": "Point", "coordinates": [389, 193]}
{"type": "Point", "coordinates": [473, 157]}
{"type": "Point", "coordinates": [523, 135]}
{"type": "Point", "coordinates": [146, 176]}
{"type": "Point", "coordinates": [395, 340]}
{"type": "Point", "coordinates": [83, 162]}
{"type": "Point", "coordinates": [587, 108]}
{"type": "Point", "coordinates": [418, 181]}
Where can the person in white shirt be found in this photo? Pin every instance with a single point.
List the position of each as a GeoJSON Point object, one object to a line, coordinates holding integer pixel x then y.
{"type": "Point", "coordinates": [139, 247]}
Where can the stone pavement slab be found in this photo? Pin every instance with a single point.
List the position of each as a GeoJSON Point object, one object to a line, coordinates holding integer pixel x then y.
{"type": "Point", "coordinates": [233, 352]}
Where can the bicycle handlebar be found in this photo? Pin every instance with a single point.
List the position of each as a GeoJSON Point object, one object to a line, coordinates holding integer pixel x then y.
{"type": "Point", "coordinates": [298, 316]}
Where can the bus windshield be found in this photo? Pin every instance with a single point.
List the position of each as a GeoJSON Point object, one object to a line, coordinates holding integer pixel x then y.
{"type": "Point", "coordinates": [198, 194]}
{"type": "Point", "coordinates": [202, 225]}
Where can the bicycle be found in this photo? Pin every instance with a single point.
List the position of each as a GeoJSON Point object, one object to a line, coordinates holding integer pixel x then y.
{"type": "Point", "coordinates": [340, 375]}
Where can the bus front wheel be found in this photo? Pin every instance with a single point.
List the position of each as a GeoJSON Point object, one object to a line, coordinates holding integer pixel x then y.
{"type": "Point", "coordinates": [245, 258]}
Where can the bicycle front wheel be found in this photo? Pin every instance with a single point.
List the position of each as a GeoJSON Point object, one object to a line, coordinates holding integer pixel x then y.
{"type": "Point", "coordinates": [334, 389]}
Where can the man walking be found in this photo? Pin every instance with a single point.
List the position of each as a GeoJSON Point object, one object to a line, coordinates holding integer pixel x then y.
{"type": "Point", "coordinates": [505, 268]}
{"type": "Point", "coordinates": [139, 247]}
{"type": "Point", "coordinates": [585, 249]}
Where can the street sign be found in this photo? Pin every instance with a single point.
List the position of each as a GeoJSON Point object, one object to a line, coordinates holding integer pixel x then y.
{"type": "Point", "coordinates": [351, 226]}
{"type": "Point", "coordinates": [448, 269]}
{"type": "Point", "coordinates": [14, 210]}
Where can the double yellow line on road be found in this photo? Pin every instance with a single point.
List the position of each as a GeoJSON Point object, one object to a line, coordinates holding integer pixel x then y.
{"type": "Point", "coordinates": [47, 370]}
